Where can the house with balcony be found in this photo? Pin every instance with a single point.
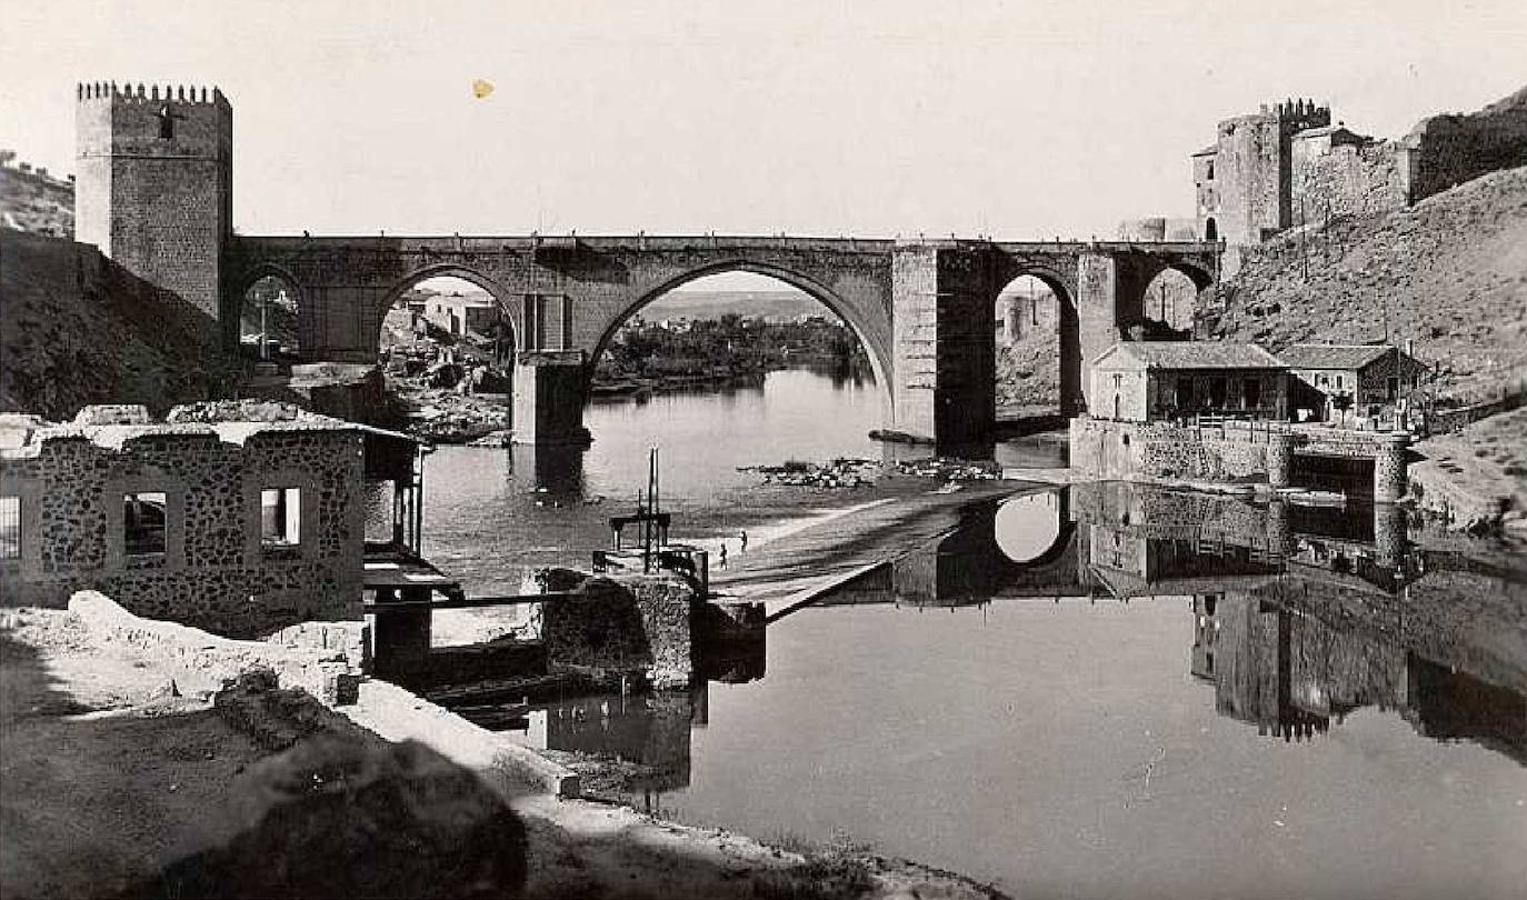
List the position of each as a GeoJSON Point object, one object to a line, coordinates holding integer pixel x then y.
{"type": "Point", "coordinates": [1153, 381]}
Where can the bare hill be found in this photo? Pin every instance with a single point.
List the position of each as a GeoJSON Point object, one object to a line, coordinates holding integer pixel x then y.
{"type": "Point", "coordinates": [1449, 272]}
{"type": "Point", "coordinates": [32, 200]}
{"type": "Point", "coordinates": [75, 328]}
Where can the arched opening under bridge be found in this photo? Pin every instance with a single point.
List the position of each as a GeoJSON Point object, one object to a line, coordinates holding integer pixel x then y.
{"type": "Point", "coordinates": [1038, 343]}
{"type": "Point", "coordinates": [756, 365]}
{"type": "Point", "coordinates": [269, 325]}
{"type": "Point", "coordinates": [447, 351]}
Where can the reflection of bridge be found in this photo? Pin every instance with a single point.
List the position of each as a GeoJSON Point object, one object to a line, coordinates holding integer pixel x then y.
{"type": "Point", "coordinates": [155, 192]}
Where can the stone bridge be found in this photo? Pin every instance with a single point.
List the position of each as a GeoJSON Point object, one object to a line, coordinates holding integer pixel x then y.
{"type": "Point", "coordinates": [922, 309]}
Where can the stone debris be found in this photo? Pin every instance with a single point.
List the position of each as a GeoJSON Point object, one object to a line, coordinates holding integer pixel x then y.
{"type": "Point", "coordinates": [451, 396]}
{"type": "Point", "coordinates": [946, 469]}
{"type": "Point", "coordinates": [840, 473]}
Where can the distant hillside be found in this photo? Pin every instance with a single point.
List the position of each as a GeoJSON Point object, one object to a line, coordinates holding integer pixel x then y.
{"type": "Point", "coordinates": [32, 200]}
{"type": "Point", "coordinates": [774, 305]}
{"type": "Point", "coordinates": [1449, 272]}
{"type": "Point", "coordinates": [75, 328]}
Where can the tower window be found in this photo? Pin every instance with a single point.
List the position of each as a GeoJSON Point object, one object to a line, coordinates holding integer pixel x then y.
{"type": "Point", "coordinates": [166, 122]}
{"type": "Point", "coordinates": [1210, 175]}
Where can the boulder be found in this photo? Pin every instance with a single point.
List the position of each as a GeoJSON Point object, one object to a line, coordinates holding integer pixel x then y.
{"type": "Point", "coordinates": [334, 817]}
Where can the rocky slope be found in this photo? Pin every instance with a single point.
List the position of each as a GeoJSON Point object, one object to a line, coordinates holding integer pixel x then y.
{"type": "Point", "coordinates": [1449, 272]}
{"type": "Point", "coordinates": [32, 200]}
{"type": "Point", "coordinates": [77, 329]}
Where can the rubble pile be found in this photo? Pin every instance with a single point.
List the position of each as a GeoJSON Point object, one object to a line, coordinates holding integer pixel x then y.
{"type": "Point", "coordinates": [947, 469]}
{"type": "Point", "coordinates": [450, 396]}
{"type": "Point", "coordinates": [445, 417]}
{"type": "Point", "coordinates": [840, 473]}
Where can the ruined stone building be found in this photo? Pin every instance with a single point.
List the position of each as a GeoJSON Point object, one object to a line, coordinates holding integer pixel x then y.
{"type": "Point", "coordinates": [236, 525]}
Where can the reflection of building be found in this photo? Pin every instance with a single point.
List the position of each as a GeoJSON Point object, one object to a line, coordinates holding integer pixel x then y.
{"type": "Point", "coordinates": [211, 518]}
{"type": "Point", "coordinates": [1297, 655]}
{"type": "Point", "coordinates": [648, 731]}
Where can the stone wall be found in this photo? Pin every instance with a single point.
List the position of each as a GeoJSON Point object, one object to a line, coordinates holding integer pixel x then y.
{"type": "Point", "coordinates": [1160, 450]}
{"type": "Point", "coordinates": [636, 627]}
{"type": "Point", "coordinates": [1347, 179]}
{"type": "Point", "coordinates": [1450, 149]}
{"type": "Point", "coordinates": [214, 573]}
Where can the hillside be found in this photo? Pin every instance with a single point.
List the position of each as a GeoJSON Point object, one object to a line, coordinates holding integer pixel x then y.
{"type": "Point", "coordinates": [76, 328]}
{"type": "Point", "coordinates": [32, 200]}
{"type": "Point", "coordinates": [1449, 272]}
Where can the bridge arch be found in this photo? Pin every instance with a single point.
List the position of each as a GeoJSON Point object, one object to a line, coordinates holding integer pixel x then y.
{"type": "Point", "coordinates": [234, 321]}
{"type": "Point", "coordinates": [1168, 299]}
{"type": "Point", "coordinates": [879, 358]}
{"type": "Point", "coordinates": [1065, 341]}
{"type": "Point", "coordinates": [510, 306]}
{"type": "Point", "coordinates": [1032, 529]}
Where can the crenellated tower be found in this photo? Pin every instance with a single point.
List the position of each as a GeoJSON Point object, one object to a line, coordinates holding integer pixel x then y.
{"type": "Point", "coordinates": [1244, 180]}
{"type": "Point", "coordinates": [154, 183]}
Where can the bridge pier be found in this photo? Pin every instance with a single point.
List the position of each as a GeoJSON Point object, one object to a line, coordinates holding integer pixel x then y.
{"type": "Point", "coordinates": [945, 364]}
{"type": "Point", "coordinates": [549, 390]}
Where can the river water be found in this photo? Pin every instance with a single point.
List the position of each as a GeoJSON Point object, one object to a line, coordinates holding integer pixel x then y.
{"type": "Point", "coordinates": [1093, 691]}
{"type": "Point", "coordinates": [492, 514]}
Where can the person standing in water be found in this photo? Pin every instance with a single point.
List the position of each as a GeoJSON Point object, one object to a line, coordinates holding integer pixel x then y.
{"type": "Point", "coordinates": [723, 554]}
{"type": "Point", "coordinates": [743, 536]}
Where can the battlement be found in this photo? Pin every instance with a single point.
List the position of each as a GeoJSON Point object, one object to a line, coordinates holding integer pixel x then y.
{"type": "Point", "coordinates": [1299, 114]}
{"type": "Point", "coordinates": [155, 182]}
{"type": "Point", "coordinates": [108, 90]}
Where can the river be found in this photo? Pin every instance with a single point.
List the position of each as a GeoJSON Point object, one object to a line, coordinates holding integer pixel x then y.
{"type": "Point", "coordinates": [1088, 691]}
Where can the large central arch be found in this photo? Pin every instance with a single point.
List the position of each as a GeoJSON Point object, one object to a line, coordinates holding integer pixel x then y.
{"type": "Point", "coordinates": [879, 360]}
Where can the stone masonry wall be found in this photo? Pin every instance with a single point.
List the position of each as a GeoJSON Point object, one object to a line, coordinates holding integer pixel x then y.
{"type": "Point", "coordinates": [214, 573]}
{"type": "Point", "coordinates": [1127, 450]}
{"type": "Point", "coordinates": [637, 626]}
{"type": "Point", "coordinates": [1347, 179]}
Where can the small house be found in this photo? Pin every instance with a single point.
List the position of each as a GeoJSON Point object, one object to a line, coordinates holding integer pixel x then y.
{"type": "Point", "coordinates": [1149, 381]}
{"type": "Point", "coordinates": [1370, 379]}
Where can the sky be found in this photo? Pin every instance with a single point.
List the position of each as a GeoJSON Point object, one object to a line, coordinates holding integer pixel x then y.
{"type": "Point", "coordinates": [1015, 120]}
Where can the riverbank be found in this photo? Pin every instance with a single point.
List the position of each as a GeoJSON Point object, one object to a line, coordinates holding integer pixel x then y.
{"type": "Point", "coordinates": [1475, 479]}
{"type": "Point", "coordinates": [110, 781]}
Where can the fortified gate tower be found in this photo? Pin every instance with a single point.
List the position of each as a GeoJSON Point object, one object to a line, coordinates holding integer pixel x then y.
{"type": "Point", "coordinates": [154, 184]}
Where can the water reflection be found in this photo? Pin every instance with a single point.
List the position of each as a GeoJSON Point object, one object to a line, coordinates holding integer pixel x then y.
{"type": "Point", "coordinates": [1300, 617]}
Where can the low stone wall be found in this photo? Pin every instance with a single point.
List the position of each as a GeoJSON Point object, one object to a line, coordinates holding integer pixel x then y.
{"type": "Point", "coordinates": [203, 663]}
{"type": "Point", "coordinates": [1163, 451]}
{"type": "Point", "coordinates": [636, 626]}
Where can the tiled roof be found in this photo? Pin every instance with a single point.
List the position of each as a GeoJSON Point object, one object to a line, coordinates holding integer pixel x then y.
{"type": "Point", "coordinates": [1333, 356]}
{"type": "Point", "coordinates": [1188, 355]}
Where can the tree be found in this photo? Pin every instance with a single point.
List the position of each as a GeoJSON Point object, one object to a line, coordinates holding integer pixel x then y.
{"type": "Point", "coordinates": [1341, 403]}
